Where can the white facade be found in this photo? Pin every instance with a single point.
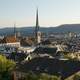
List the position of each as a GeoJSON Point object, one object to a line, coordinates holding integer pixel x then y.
{"type": "Point", "coordinates": [61, 47]}
{"type": "Point", "coordinates": [38, 36]}
{"type": "Point", "coordinates": [15, 44]}
{"type": "Point", "coordinates": [26, 49]}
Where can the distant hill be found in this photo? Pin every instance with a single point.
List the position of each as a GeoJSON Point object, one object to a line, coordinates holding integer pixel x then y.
{"type": "Point", "coordinates": [31, 29]}
{"type": "Point", "coordinates": [70, 27]}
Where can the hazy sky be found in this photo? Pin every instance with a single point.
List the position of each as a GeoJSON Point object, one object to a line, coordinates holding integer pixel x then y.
{"type": "Point", "coordinates": [51, 12]}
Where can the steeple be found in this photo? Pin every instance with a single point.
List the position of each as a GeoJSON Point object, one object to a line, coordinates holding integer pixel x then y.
{"type": "Point", "coordinates": [15, 29]}
{"type": "Point", "coordinates": [37, 21]}
{"type": "Point", "coordinates": [37, 26]}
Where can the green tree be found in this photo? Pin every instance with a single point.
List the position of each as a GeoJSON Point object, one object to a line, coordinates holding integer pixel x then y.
{"type": "Point", "coordinates": [31, 76]}
{"type": "Point", "coordinates": [42, 76]}
{"type": "Point", "coordinates": [76, 77]}
{"type": "Point", "coordinates": [6, 66]}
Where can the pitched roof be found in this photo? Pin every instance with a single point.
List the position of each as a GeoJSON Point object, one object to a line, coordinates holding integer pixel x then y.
{"type": "Point", "coordinates": [9, 39]}
{"type": "Point", "coordinates": [50, 66]}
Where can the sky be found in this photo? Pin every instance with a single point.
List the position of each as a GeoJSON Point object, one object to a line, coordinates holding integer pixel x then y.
{"type": "Point", "coordinates": [51, 12]}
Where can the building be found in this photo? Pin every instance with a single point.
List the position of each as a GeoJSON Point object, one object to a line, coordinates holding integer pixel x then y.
{"type": "Point", "coordinates": [9, 44]}
{"type": "Point", "coordinates": [37, 32]}
{"type": "Point", "coordinates": [26, 49]}
{"type": "Point", "coordinates": [10, 41]}
{"type": "Point", "coordinates": [40, 65]}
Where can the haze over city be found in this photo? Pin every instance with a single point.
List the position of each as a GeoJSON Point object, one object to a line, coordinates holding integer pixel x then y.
{"type": "Point", "coordinates": [39, 40]}
{"type": "Point", "coordinates": [51, 12]}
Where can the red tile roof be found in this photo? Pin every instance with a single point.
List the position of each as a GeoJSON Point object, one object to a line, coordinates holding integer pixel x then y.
{"type": "Point", "coordinates": [9, 39]}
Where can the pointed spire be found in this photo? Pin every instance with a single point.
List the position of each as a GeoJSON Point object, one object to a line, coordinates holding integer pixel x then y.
{"type": "Point", "coordinates": [37, 26]}
{"type": "Point", "coordinates": [15, 29]}
{"type": "Point", "coordinates": [37, 21]}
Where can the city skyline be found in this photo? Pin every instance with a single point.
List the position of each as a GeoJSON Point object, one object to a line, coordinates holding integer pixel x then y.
{"type": "Point", "coordinates": [51, 12]}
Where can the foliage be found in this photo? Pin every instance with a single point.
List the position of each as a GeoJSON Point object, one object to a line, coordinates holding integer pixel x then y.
{"type": "Point", "coordinates": [6, 66]}
{"type": "Point", "coordinates": [42, 76]}
{"type": "Point", "coordinates": [31, 76]}
{"type": "Point", "coordinates": [76, 77]}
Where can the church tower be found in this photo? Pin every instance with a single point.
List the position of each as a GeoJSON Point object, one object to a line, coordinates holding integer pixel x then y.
{"type": "Point", "coordinates": [37, 32]}
{"type": "Point", "coordinates": [15, 30]}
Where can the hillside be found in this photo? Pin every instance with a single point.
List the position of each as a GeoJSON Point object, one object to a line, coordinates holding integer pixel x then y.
{"type": "Point", "coordinates": [31, 29]}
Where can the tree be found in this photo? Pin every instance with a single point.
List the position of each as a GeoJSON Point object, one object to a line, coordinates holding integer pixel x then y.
{"type": "Point", "coordinates": [31, 76]}
{"type": "Point", "coordinates": [6, 66]}
{"type": "Point", "coordinates": [76, 77]}
{"type": "Point", "coordinates": [42, 76]}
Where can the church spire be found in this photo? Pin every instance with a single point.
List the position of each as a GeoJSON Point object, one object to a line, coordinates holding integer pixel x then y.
{"type": "Point", "coordinates": [37, 21]}
{"type": "Point", "coordinates": [15, 29]}
{"type": "Point", "coordinates": [37, 32]}
{"type": "Point", "coordinates": [37, 26]}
